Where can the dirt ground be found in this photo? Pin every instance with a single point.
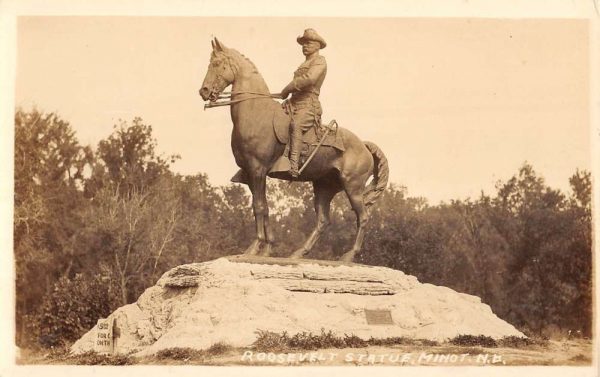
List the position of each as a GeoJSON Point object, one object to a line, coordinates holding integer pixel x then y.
{"type": "Point", "coordinates": [565, 352]}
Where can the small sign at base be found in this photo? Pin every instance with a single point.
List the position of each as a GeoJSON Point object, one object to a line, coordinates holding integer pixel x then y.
{"type": "Point", "coordinates": [104, 337]}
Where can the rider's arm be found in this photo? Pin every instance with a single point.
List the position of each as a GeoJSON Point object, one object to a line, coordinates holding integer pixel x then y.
{"type": "Point", "coordinates": [309, 78]}
{"type": "Point", "coordinates": [318, 68]}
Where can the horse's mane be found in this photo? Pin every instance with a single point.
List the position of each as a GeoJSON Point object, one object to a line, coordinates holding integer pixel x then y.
{"type": "Point", "coordinates": [239, 61]}
{"type": "Point", "coordinates": [238, 55]}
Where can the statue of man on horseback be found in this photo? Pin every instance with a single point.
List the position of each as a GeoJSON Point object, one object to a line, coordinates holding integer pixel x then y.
{"type": "Point", "coordinates": [305, 89]}
{"type": "Point", "coordinates": [258, 142]}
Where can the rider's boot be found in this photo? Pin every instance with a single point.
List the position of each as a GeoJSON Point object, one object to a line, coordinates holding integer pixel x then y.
{"type": "Point", "coordinates": [295, 145]}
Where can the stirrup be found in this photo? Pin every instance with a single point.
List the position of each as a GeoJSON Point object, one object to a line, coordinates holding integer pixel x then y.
{"type": "Point", "coordinates": [294, 172]}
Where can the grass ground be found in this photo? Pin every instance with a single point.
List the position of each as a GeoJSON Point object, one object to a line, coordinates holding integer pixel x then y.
{"type": "Point", "coordinates": [554, 352]}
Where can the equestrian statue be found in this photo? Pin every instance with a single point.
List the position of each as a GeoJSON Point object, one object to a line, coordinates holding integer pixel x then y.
{"type": "Point", "coordinates": [273, 139]}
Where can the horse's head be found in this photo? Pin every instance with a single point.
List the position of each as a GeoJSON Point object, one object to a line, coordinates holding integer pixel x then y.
{"type": "Point", "coordinates": [220, 72]}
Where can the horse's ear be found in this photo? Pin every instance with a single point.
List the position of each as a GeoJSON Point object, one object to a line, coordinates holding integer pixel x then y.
{"type": "Point", "coordinates": [212, 43]}
{"type": "Point", "coordinates": [219, 46]}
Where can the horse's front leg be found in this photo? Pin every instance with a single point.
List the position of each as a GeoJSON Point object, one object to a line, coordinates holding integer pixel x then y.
{"type": "Point", "coordinates": [257, 183]}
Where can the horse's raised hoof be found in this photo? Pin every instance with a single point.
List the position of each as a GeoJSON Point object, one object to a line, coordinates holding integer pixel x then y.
{"type": "Point", "coordinates": [298, 254]}
{"type": "Point", "coordinates": [348, 257]}
{"type": "Point", "coordinates": [253, 249]}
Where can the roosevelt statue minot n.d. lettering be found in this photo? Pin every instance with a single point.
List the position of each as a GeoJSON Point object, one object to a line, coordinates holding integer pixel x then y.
{"type": "Point", "coordinates": [256, 149]}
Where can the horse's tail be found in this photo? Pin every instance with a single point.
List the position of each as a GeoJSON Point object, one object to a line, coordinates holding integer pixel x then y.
{"type": "Point", "coordinates": [381, 173]}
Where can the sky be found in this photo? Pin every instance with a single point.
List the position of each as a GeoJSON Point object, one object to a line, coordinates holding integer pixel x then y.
{"type": "Point", "coordinates": [455, 104]}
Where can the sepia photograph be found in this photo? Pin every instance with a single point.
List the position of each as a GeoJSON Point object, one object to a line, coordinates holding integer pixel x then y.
{"type": "Point", "coordinates": [291, 191]}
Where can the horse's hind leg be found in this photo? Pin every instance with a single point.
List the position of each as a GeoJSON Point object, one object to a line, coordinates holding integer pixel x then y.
{"type": "Point", "coordinates": [324, 190]}
{"type": "Point", "coordinates": [354, 190]}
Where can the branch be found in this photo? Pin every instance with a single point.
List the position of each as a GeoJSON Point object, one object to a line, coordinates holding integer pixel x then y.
{"type": "Point", "coordinates": [166, 239]}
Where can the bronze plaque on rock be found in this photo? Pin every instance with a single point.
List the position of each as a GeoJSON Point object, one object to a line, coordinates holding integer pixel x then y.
{"type": "Point", "coordinates": [379, 317]}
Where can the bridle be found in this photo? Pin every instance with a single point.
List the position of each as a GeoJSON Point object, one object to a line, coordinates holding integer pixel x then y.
{"type": "Point", "coordinates": [229, 95]}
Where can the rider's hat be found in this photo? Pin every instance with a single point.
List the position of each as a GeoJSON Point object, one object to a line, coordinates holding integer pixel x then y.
{"type": "Point", "coordinates": [311, 35]}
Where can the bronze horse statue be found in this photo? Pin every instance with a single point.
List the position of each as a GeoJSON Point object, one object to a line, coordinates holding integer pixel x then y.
{"type": "Point", "coordinates": [256, 149]}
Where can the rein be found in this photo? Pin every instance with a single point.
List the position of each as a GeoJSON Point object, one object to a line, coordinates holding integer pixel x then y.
{"type": "Point", "coordinates": [230, 95]}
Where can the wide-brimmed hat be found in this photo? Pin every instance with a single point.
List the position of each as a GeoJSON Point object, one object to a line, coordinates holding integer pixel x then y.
{"type": "Point", "coordinates": [311, 35]}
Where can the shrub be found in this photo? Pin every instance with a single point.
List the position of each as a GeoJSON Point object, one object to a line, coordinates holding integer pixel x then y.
{"type": "Point", "coordinates": [396, 341]}
{"type": "Point", "coordinates": [353, 341]}
{"type": "Point", "coordinates": [515, 342]}
{"type": "Point", "coordinates": [581, 358]}
{"type": "Point", "coordinates": [93, 358]}
{"type": "Point", "coordinates": [330, 340]}
{"type": "Point", "coordinates": [269, 341]}
{"type": "Point", "coordinates": [472, 340]}
{"type": "Point", "coordinates": [304, 340]}
{"type": "Point", "coordinates": [219, 348]}
{"type": "Point", "coordinates": [179, 353]}
{"type": "Point", "coordinates": [73, 307]}
{"type": "Point", "coordinates": [187, 353]}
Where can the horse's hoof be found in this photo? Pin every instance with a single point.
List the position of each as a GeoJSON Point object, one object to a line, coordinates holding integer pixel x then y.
{"type": "Point", "coordinates": [298, 254]}
{"type": "Point", "coordinates": [348, 257]}
{"type": "Point", "coordinates": [267, 250]}
{"type": "Point", "coordinates": [253, 249]}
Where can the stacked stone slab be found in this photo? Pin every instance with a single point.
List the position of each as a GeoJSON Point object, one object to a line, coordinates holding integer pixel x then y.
{"type": "Point", "coordinates": [230, 299]}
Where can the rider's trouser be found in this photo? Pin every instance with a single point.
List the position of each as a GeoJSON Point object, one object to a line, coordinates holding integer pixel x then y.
{"type": "Point", "coordinates": [304, 119]}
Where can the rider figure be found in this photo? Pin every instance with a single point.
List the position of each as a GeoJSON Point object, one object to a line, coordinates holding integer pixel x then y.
{"type": "Point", "coordinates": [305, 89]}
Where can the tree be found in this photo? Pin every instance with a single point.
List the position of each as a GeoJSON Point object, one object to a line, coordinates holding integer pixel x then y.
{"type": "Point", "coordinates": [49, 172]}
{"type": "Point", "coordinates": [136, 230]}
{"type": "Point", "coordinates": [539, 224]}
{"type": "Point", "coordinates": [134, 208]}
{"type": "Point", "coordinates": [579, 312]}
{"type": "Point", "coordinates": [127, 159]}
{"type": "Point", "coordinates": [205, 232]}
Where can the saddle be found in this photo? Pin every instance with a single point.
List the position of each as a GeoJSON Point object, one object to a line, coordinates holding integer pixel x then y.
{"type": "Point", "coordinates": [312, 137]}
{"type": "Point", "coordinates": [310, 141]}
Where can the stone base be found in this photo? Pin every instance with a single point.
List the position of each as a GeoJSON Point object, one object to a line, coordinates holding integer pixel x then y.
{"type": "Point", "coordinates": [230, 299]}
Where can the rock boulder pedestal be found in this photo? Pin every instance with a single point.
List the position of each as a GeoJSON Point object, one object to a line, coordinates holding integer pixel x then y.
{"type": "Point", "coordinates": [230, 299]}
